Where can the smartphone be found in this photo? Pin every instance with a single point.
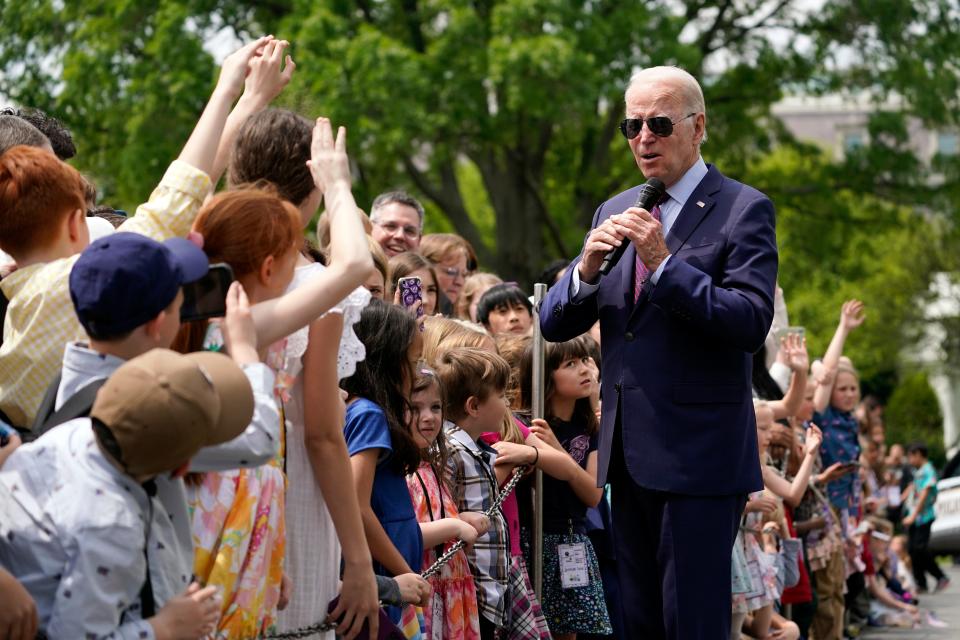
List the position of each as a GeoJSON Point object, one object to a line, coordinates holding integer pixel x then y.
{"type": "Point", "coordinates": [411, 292]}
{"type": "Point", "coordinates": [207, 297]}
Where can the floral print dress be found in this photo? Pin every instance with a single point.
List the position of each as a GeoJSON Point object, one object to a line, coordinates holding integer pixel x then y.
{"type": "Point", "coordinates": [239, 537]}
{"type": "Point", "coordinates": [452, 611]}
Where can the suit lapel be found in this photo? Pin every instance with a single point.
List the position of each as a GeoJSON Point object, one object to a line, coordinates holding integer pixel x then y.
{"type": "Point", "coordinates": [628, 268]}
{"type": "Point", "coordinates": [691, 215]}
{"type": "Point", "coordinates": [697, 207]}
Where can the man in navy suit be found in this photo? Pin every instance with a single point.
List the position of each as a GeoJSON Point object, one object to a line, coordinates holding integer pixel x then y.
{"type": "Point", "coordinates": [680, 317]}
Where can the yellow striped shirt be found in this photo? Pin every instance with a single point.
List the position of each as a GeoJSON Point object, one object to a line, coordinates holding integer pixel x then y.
{"type": "Point", "coordinates": [40, 318]}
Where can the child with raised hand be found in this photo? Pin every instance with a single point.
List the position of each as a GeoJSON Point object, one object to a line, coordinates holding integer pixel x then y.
{"type": "Point", "coordinates": [761, 567]}
{"type": "Point", "coordinates": [382, 449]}
{"type": "Point", "coordinates": [238, 518]}
{"type": "Point", "coordinates": [285, 150]}
{"type": "Point", "coordinates": [835, 401]}
{"type": "Point", "coordinates": [452, 610]}
{"type": "Point", "coordinates": [573, 601]}
{"type": "Point", "coordinates": [43, 228]}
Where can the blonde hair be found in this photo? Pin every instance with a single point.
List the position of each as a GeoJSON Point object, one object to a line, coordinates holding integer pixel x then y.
{"type": "Point", "coordinates": [379, 259]}
{"type": "Point", "coordinates": [473, 288]}
{"type": "Point", "coordinates": [467, 372]}
{"type": "Point", "coordinates": [442, 334]}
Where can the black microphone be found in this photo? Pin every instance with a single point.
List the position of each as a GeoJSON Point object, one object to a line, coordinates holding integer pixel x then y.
{"type": "Point", "coordinates": [649, 196]}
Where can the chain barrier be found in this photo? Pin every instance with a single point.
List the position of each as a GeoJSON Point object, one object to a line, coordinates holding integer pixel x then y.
{"type": "Point", "coordinates": [322, 627]}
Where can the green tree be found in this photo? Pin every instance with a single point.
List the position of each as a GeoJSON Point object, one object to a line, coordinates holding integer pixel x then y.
{"type": "Point", "coordinates": [501, 113]}
{"type": "Point", "coordinates": [913, 415]}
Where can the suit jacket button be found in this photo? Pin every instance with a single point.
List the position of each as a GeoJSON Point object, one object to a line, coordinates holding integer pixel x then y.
{"type": "Point", "coordinates": [557, 310]}
{"type": "Point", "coordinates": [628, 336]}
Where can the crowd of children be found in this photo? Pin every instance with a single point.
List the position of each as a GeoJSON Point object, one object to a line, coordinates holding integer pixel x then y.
{"type": "Point", "coordinates": [298, 466]}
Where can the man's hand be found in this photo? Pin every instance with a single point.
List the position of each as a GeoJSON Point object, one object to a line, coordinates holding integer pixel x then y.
{"type": "Point", "coordinates": [235, 67]}
{"type": "Point", "coordinates": [601, 241]}
{"type": "Point", "coordinates": [358, 602]}
{"type": "Point", "coordinates": [852, 315]}
{"type": "Point", "coordinates": [266, 80]}
{"type": "Point", "coordinates": [239, 331]}
{"type": "Point", "coordinates": [646, 234]}
{"type": "Point", "coordinates": [18, 613]}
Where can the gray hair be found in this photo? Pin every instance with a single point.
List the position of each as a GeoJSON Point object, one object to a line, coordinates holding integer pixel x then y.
{"type": "Point", "coordinates": [15, 131]}
{"type": "Point", "coordinates": [399, 197]}
{"type": "Point", "coordinates": [690, 92]}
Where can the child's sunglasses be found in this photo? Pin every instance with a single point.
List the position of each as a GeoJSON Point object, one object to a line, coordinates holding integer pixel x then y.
{"type": "Point", "coordinates": [660, 126]}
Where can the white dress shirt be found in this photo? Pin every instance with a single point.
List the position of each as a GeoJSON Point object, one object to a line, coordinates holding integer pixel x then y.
{"type": "Point", "coordinates": [678, 193]}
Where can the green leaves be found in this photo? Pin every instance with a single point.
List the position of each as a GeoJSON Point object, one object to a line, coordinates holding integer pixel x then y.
{"type": "Point", "coordinates": [502, 115]}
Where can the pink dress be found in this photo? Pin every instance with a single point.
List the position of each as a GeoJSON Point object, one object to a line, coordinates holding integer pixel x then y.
{"type": "Point", "coordinates": [452, 611]}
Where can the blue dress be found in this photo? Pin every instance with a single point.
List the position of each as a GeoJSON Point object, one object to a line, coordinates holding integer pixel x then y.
{"type": "Point", "coordinates": [366, 428]}
{"type": "Point", "coordinates": [840, 444]}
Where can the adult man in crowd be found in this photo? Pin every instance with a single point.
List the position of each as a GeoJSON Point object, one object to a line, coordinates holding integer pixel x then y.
{"type": "Point", "coordinates": [680, 315]}
{"type": "Point", "coordinates": [397, 222]}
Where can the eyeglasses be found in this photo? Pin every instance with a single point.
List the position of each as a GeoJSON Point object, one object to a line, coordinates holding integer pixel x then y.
{"type": "Point", "coordinates": [392, 227]}
{"type": "Point", "coordinates": [455, 272]}
{"type": "Point", "coordinates": [660, 126]}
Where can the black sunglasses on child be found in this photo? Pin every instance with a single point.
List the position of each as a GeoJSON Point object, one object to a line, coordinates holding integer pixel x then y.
{"type": "Point", "coordinates": [660, 126]}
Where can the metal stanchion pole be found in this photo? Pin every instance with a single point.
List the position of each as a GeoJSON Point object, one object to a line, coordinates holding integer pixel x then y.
{"type": "Point", "coordinates": [539, 292]}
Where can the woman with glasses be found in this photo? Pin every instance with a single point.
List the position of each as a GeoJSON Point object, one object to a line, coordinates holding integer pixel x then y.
{"type": "Point", "coordinates": [453, 259]}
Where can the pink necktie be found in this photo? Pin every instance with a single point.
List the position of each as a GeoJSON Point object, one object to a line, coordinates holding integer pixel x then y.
{"type": "Point", "coordinates": [641, 272]}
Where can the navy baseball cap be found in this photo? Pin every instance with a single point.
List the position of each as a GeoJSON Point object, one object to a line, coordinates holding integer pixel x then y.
{"type": "Point", "coordinates": [124, 280]}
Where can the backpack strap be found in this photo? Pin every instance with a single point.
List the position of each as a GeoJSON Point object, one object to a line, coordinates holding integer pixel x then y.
{"type": "Point", "coordinates": [47, 405]}
{"type": "Point", "coordinates": [78, 406]}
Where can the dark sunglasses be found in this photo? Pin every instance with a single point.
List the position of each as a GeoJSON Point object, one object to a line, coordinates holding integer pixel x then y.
{"type": "Point", "coordinates": [660, 126]}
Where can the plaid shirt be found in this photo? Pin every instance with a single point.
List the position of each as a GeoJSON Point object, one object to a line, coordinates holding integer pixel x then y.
{"type": "Point", "coordinates": [41, 319]}
{"type": "Point", "coordinates": [474, 489]}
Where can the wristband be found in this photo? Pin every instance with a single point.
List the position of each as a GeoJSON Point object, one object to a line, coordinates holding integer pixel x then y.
{"type": "Point", "coordinates": [536, 451]}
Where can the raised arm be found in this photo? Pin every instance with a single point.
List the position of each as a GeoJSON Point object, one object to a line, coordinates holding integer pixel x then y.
{"type": "Point", "coordinates": [267, 78]}
{"type": "Point", "coordinates": [792, 492]}
{"type": "Point", "coordinates": [332, 469]}
{"type": "Point", "coordinates": [173, 205]}
{"type": "Point", "coordinates": [794, 348]}
{"type": "Point", "coordinates": [350, 260]}
{"type": "Point", "coordinates": [201, 148]}
{"type": "Point", "coordinates": [851, 316]}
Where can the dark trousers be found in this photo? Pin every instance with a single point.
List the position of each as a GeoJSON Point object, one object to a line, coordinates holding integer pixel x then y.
{"type": "Point", "coordinates": [488, 630]}
{"type": "Point", "coordinates": [918, 541]}
{"type": "Point", "coordinates": [673, 559]}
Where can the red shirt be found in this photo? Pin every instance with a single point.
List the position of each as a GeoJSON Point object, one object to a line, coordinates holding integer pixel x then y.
{"type": "Point", "coordinates": [801, 592]}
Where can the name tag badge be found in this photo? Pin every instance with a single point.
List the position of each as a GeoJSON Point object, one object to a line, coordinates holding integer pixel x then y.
{"type": "Point", "coordinates": [573, 565]}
